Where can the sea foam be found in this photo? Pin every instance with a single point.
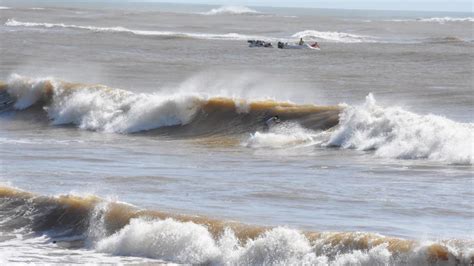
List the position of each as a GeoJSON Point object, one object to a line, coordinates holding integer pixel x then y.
{"type": "Point", "coordinates": [283, 135]}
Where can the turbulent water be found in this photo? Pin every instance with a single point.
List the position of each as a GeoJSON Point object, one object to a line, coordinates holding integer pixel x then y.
{"type": "Point", "coordinates": [136, 133]}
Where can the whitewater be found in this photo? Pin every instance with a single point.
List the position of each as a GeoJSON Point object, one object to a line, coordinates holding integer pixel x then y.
{"type": "Point", "coordinates": [137, 133]}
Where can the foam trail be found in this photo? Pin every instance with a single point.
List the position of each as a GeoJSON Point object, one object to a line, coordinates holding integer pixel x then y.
{"type": "Point", "coordinates": [395, 133]}
{"type": "Point", "coordinates": [231, 10]}
{"type": "Point", "coordinates": [334, 36]}
{"type": "Point", "coordinates": [203, 36]}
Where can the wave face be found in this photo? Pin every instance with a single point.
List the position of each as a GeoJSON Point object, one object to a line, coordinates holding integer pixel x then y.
{"type": "Point", "coordinates": [395, 133]}
{"type": "Point", "coordinates": [121, 229]}
{"type": "Point", "coordinates": [231, 10]}
{"type": "Point", "coordinates": [334, 36]}
{"type": "Point", "coordinates": [99, 108]}
{"type": "Point", "coordinates": [168, 34]}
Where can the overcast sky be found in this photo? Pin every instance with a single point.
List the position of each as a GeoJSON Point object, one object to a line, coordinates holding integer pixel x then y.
{"type": "Point", "coordinates": [428, 5]}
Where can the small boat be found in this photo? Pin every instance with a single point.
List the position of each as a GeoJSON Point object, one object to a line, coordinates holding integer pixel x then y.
{"type": "Point", "coordinates": [314, 46]}
{"type": "Point", "coordinates": [259, 43]}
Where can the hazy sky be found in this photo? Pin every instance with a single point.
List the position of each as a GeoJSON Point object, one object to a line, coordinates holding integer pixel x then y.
{"type": "Point", "coordinates": [428, 5]}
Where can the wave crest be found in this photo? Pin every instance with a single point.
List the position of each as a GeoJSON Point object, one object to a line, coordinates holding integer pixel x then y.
{"type": "Point", "coordinates": [231, 10]}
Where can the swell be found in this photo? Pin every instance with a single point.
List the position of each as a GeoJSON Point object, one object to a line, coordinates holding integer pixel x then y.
{"type": "Point", "coordinates": [100, 108]}
{"type": "Point", "coordinates": [165, 34]}
{"type": "Point", "coordinates": [122, 229]}
{"type": "Point", "coordinates": [309, 35]}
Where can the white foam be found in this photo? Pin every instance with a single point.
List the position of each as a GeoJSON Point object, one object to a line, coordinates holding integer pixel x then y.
{"type": "Point", "coordinates": [231, 10]}
{"type": "Point", "coordinates": [333, 36]}
{"type": "Point", "coordinates": [282, 136]}
{"type": "Point", "coordinates": [163, 239]}
{"type": "Point", "coordinates": [4, 7]}
{"type": "Point", "coordinates": [204, 36]}
{"type": "Point", "coordinates": [396, 133]}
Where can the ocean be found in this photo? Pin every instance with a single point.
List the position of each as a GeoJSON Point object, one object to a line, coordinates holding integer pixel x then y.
{"type": "Point", "coordinates": [136, 133]}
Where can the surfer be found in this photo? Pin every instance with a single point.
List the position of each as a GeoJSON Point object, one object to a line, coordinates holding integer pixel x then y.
{"type": "Point", "coordinates": [301, 41]}
{"type": "Point", "coordinates": [271, 122]}
{"type": "Point", "coordinates": [315, 45]}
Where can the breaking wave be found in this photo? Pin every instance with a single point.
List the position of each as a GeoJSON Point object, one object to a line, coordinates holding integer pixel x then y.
{"type": "Point", "coordinates": [334, 36]}
{"type": "Point", "coordinates": [396, 133]}
{"type": "Point", "coordinates": [100, 108]}
{"type": "Point", "coordinates": [122, 229]}
{"type": "Point", "coordinates": [232, 10]}
{"type": "Point", "coordinates": [389, 132]}
{"type": "Point", "coordinates": [203, 36]}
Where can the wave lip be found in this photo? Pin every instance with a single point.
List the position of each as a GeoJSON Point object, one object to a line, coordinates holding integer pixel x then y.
{"type": "Point", "coordinates": [203, 36]}
{"type": "Point", "coordinates": [333, 36]}
{"type": "Point", "coordinates": [121, 229]}
{"type": "Point", "coordinates": [231, 10]}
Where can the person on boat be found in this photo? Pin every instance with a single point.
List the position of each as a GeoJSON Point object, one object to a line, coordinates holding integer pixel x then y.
{"type": "Point", "coordinates": [301, 41]}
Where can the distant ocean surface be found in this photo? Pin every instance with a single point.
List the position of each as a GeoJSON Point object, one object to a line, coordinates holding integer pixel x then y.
{"type": "Point", "coordinates": [135, 133]}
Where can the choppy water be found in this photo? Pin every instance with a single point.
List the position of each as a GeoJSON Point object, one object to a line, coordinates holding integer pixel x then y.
{"type": "Point", "coordinates": [137, 133]}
